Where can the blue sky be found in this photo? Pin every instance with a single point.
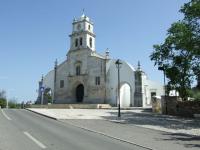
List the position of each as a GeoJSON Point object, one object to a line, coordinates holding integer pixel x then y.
{"type": "Point", "coordinates": [33, 33]}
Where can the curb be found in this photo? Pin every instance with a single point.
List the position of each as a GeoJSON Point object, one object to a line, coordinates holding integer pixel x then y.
{"type": "Point", "coordinates": [41, 114]}
{"type": "Point", "coordinates": [117, 121]}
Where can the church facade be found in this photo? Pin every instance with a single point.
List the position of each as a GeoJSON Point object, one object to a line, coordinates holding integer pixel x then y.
{"type": "Point", "coordinates": [88, 77]}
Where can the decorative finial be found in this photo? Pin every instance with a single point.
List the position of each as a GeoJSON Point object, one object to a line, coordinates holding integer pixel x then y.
{"type": "Point", "coordinates": [42, 78]}
{"type": "Point", "coordinates": [139, 66]}
{"type": "Point", "coordinates": [56, 63]}
{"type": "Point", "coordinates": [83, 12]}
{"type": "Point", "coordinates": [107, 53]}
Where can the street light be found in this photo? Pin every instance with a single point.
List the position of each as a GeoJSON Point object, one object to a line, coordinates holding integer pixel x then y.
{"type": "Point", "coordinates": [118, 65]}
{"type": "Point", "coordinates": [163, 68]}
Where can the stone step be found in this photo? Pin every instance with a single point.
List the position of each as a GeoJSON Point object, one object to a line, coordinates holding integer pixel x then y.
{"type": "Point", "coordinates": [73, 106]}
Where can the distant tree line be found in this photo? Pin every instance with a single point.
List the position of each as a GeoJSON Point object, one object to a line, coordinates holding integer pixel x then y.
{"type": "Point", "coordinates": [2, 98]}
{"type": "Point", "coordinates": [11, 103]}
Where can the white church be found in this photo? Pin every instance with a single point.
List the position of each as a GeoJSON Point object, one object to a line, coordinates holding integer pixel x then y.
{"type": "Point", "coordinates": [91, 78]}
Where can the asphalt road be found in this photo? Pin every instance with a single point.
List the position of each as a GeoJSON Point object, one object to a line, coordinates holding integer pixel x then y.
{"type": "Point", "coordinates": [24, 130]}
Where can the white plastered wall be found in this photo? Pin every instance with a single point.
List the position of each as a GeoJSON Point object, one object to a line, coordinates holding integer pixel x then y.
{"type": "Point", "coordinates": [126, 77]}
{"type": "Point", "coordinates": [148, 87]}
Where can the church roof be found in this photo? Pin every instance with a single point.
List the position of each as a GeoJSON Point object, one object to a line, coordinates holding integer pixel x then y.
{"type": "Point", "coordinates": [130, 65]}
{"type": "Point", "coordinates": [112, 62]}
{"type": "Point", "coordinates": [98, 55]}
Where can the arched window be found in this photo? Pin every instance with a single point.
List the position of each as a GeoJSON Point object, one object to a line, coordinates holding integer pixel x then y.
{"type": "Point", "coordinates": [81, 41]}
{"type": "Point", "coordinates": [88, 27]}
{"type": "Point", "coordinates": [90, 42]}
{"type": "Point", "coordinates": [76, 42]}
{"type": "Point", "coordinates": [78, 70]}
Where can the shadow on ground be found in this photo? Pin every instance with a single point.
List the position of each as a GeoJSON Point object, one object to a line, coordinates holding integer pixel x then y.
{"type": "Point", "coordinates": [168, 122]}
{"type": "Point", "coordinates": [189, 140]}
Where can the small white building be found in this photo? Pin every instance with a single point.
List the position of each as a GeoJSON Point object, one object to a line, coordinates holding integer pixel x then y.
{"type": "Point", "coordinates": [88, 77]}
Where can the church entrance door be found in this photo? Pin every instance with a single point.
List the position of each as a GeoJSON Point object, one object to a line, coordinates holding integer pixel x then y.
{"type": "Point", "coordinates": [79, 93]}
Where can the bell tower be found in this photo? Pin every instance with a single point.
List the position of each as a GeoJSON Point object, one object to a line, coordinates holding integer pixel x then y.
{"type": "Point", "coordinates": [82, 36]}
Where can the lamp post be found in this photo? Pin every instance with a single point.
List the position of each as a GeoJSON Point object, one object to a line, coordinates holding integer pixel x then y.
{"type": "Point", "coordinates": [163, 68]}
{"type": "Point", "coordinates": [118, 65]}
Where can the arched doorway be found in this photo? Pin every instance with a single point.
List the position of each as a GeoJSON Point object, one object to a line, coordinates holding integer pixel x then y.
{"type": "Point", "coordinates": [79, 93]}
{"type": "Point", "coordinates": [125, 95]}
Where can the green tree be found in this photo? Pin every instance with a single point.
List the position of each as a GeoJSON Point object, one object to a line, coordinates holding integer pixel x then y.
{"type": "Point", "coordinates": [2, 102]}
{"type": "Point", "coordinates": [180, 52]}
{"type": "Point", "coordinates": [2, 98]}
{"type": "Point", "coordinates": [195, 94]}
{"type": "Point", "coordinates": [48, 97]}
{"type": "Point", "coordinates": [12, 103]}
